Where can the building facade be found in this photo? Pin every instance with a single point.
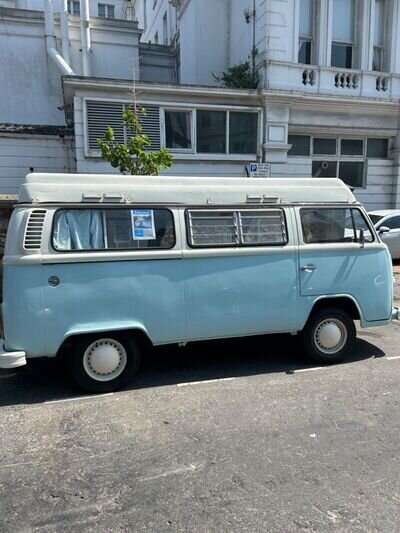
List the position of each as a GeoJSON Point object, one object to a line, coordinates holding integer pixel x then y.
{"type": "Point", "coordinates": [327, 101]}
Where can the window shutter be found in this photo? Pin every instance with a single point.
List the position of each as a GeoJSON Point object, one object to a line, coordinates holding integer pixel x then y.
{"type": "Point", "coordinates": [151, 125]}
{"type": "Point", "coordinates": [101, 115]}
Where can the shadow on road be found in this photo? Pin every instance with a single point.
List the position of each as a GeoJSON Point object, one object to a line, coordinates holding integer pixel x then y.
{"type": "Point", "coordinates": [46, 379]}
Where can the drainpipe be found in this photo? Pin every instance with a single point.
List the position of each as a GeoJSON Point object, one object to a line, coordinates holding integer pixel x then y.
{"type": "Point", "coordinates": [85, 37]}
{"type": "Point", "coordinates": [64, 30]}
{"type": "Point", "coordinates": [51, 40]}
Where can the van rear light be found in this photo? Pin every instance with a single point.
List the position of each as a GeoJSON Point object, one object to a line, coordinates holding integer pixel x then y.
{"type": "Point", "coordinates": [34, 229]}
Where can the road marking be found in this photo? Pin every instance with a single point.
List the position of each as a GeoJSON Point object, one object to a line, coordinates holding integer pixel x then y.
{"type": "Point", "coordinates": [182, 470]}
{"type": "Point", "coordinates": [393, 357]}
{"type": "Point", "coordinates": [309, 369]}
{"type": "Point", "coordinates": [80, 398]}
{"type": "Point", "coordinates": [204, 382]}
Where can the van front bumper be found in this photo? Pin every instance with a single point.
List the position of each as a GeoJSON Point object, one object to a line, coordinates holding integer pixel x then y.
{"type": "Point", "coordinates": [11, 359]}
{"type": "Point", "coordinates": [395, 313]}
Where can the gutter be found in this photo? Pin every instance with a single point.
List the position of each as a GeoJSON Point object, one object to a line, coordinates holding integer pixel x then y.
{"type": "Point", "coordinates": [85, 37]}
{"type": "Point", "coordinates": [51, 43]}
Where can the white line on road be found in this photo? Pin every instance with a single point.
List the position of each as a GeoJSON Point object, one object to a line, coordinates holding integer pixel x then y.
{"type": "Point", "coordinates": [393, 357]}
{"type": "Point", "coordinates": [80, 398]}
{"type": "Point", "coordinates": [204, 382]}
{"type": "Point", "coordinates": [309, 369]}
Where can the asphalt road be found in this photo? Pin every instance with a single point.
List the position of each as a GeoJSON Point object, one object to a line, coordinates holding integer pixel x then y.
{"type": "Point", "coordinates": [216, 437]}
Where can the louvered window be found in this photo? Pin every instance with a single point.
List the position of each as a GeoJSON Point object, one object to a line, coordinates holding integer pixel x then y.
{"type": "Point", "coordinates": [102, 114]}
{"type": "Point", "coordinates": [151, 125]}
{"type": "Point", "coordinates": [248, 227]}
{"type": "Point", "coordinates": [34, 229]}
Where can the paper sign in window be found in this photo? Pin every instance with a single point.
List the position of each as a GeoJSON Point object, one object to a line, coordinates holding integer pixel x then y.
{"type": "Point", "coordinates": [143, 224]}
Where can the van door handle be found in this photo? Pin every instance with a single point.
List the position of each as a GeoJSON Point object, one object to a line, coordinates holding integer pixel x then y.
{"type": "Point", "coordinates": [308, 268]}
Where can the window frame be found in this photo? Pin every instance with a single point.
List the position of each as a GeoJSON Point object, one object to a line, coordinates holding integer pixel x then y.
{"type": "Point", "coordinates": [106, 10]}
{"type": "Point", "coordinates": [332, 207]}
{"type": "Point", "coordinates": [71, 10]}
{"type": "Point", "coordinates": [235, 210]}
{"type": "Point", "coordinates": [180, 153]}
{"type": "Point", "coordinates": [350, 44]}
{"type": "Point", "coordinates": [339, 157]}
{"type": "Point", "coordinates": [102, 207]}
{"type": "Point", "coordinates": [308, 38]}
{"type": "Point", "coordinates": [163, 127]}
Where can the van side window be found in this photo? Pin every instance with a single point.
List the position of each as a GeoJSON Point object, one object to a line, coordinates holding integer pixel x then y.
{"type": "Point", "coordinates": [247, 227]}
{"type": "Point", "coordinates": [113, 229]}
{"type": "Point", "coordinates": [329, 225]}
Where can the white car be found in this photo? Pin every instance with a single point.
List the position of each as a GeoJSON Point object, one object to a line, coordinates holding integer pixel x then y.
{"type": "Point", "coordinates": [387, 223]}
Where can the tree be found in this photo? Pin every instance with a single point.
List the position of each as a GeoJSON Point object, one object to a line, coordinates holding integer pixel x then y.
{"type": "Point", "coordinates": [243, 75]}
{"type": "Point", "coordinates": [133, 157]}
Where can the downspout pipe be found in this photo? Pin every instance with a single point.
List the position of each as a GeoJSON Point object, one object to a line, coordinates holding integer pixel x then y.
{"type": "Point", "coordinates": [85, 37]}
{"type": "Point", "coordinates": [51, 43]}
{"type": "Point", "coordinates": [64, 30]}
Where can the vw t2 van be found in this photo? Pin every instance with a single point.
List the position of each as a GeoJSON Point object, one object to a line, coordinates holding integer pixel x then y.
{"type": "Point", "coordinates": [100, 267]}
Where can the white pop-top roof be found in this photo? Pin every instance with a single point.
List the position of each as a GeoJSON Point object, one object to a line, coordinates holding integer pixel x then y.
{"type": "Point", "coordinates": [101, 188]}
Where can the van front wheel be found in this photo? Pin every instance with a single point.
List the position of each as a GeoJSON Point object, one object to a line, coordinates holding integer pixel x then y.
{"type": "Point", "coordinates": [329, 335]}
{"type": "Point", "coordinates": [103, 363]}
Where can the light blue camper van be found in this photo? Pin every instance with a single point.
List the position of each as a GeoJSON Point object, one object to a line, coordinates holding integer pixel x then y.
{"type": "Point", "coordinates": [99, 267]}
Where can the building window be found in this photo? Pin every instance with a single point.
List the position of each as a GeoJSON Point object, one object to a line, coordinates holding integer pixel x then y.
{"type": "Point", "coordinates": [300, 145]}
{"type": "Point", "coordinates": [211, 132]}
{"type": "Point", "coordinates": [203, 131]}
{"type": "Point", "coordinates": [74, 7]}
{"type": "Point", "coordinates": [379, 36]}
{"type": "Point", "coordinates": [306, 31]}
{"type": "Point", "coordinates": [212, 137]}
{"type": "Point", "coordinates": [377, 148]}
{"type": "Point", "coordinates": [323, 146]}
{"type": "Point", "coordinates": [343, 28]}
{"type": "Point", "coordinates": [178, 131]}
{"type": "Point", "coordinates": [339, 158]}
{"type": "Point", "coordinates": [106, 11]}
{"type": "Point", "coordinates": [242, 133]}
{"type": "Point", "coordinates": [156, 38]}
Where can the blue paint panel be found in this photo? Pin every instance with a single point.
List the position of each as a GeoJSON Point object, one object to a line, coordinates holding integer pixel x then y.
{"type": "Point", "coordinates": [115, 295]}
{"type": "Point", "coordinates": [364, 274]}
{"type": "Point", "coordinates": [240, 295]}
{"type": "Point", "coordinates": [24, 322]}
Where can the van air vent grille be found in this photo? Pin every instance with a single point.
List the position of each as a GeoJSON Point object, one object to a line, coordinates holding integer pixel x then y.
{"type": "Point", "coordinates": [34, 229]}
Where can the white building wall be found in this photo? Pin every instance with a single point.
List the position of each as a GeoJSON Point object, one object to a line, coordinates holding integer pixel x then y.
{"type": "Point", "coordinates": [31, 83]}
{"type": "Point", "coordinates": [19, 153]}
{"type": "Point", "coordinates": [38, 5]}
{"type": "Point", "coordinates": [204, 40]}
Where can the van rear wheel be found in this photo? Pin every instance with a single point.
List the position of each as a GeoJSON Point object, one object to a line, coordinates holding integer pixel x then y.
{"type": "Point", "coordinates": [103, 363]}
{"type": "Point", "coordinates": [329, 335]}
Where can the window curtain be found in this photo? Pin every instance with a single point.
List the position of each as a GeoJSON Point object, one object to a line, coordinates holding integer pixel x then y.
{"type": "Point", "coordinates": [79, 229]}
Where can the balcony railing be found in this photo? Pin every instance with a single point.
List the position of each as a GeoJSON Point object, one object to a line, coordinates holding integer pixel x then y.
{"type": "Point", "coordinates": [332, 81]}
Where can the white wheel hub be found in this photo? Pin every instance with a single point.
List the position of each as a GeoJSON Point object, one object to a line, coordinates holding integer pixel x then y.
{"type": "Point", "coordinates": [330, 335]}
{"type": "Point", "coordinates": [104, 359]}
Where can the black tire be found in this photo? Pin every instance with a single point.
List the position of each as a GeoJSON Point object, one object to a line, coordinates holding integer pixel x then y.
{"type": "Point", "coordinates": [78, 361]}
{"type": "Point", "coordinates": [313, 341]}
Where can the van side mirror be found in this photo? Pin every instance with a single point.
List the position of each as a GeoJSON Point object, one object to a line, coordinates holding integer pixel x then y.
{"type": "Point", "coordinates": [383, 229]}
